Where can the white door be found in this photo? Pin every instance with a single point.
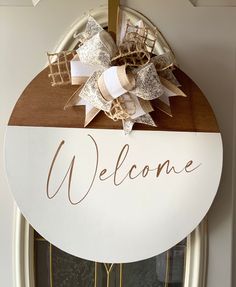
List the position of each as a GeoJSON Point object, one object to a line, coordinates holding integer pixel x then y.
{"type": "Point", "coordinates": [203, 39]}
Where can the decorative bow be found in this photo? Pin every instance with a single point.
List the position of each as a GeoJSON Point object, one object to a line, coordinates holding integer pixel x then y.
{"type": "Point", "coordinates": [120, 80]}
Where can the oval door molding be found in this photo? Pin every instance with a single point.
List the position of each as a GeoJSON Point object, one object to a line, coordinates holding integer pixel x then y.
{"type": "Point", "coordinates": [215, 3]}
{"type": "Point", "coordinates": [19, 3]}
{"type": "Point", "coordinates": [104, 219]}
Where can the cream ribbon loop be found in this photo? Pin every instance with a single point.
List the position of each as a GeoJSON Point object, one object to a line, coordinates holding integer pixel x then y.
{"type": "Point", "coordinates": [81, 72]}
{"type": "Point", "coordinates": [115, 81]}
{"type": "Point", "coordinates": [148, 85]}
{"type": "Point", "coordinates": [98, 50]}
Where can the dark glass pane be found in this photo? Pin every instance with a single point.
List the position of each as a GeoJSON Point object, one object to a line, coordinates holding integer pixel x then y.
{"type": "Point", "coordinates": [41, 265]}
{"type": "Point", "coordinates": [141, 274]}
{"type": "Point", "coordinates": [55, 268]}
{"type": "Point", "coordinates": [69, 270]}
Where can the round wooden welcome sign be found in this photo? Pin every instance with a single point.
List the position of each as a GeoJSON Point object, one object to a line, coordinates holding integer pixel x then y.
{"type": "Point", "coordinates": [105, 196]}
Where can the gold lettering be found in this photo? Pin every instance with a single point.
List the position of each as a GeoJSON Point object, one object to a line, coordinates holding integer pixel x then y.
{"type": "Point", "coordinates": [188, 165]}
{"type": "Point", "coordinates": [145, 171]}
{"type": "Point", "coordinates": [69, 173]}
{"type": "Point", "coordinates": [132, 173]}
{"type": "Point", "coordinates": [102, 173]}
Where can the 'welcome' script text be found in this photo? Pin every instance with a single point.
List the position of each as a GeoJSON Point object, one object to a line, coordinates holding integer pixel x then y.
{"type": "Point", "coordinates": [132, 173]}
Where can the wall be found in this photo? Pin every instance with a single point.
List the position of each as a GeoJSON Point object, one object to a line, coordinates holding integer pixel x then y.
{"type": "Point", "coordinates": [204, 41]}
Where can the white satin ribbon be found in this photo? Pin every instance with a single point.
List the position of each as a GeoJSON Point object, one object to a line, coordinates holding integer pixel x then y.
{"type": "Point", "coordinates": [115, 82]}
{"type": "Point", "coordinates": [80, 72]}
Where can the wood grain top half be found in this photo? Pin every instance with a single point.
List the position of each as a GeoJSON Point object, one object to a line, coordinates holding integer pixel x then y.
{"type": "Point", "coordinates": [42, 105]}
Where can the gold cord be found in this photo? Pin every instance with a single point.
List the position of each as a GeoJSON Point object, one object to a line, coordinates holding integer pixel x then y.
{"type": "Point", "coordinates": [167, 268]}
{"type": "Point", "coordinates": [121, 275]}
{"type": "Point", "coordinates": [50, 264]}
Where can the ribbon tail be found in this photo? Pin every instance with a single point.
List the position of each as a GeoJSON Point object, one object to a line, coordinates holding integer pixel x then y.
{"type": "Point", "coordinates": [91, 29]}
{"type": "Point", "coordinates": [163, 106]}
{"type": "Point", "coordinates": [168, 75]}
{"type": "Point", "coordinates": [163, 102]}
{"type": "Point", "coordinates": [74, 99]}
{"type": "Point", "coordinates": [90, 111]}
{"type": "Point", "coordinates": [144, 119]}
{"type": "Point", "coordinates": [127, 126]}
{"type": "Point", "coordinates": [177, 91]}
